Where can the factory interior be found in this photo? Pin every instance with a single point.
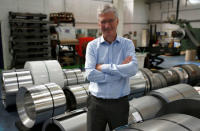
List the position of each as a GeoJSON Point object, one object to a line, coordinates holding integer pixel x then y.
{"type": "Point", "coordinates": [43, 83]}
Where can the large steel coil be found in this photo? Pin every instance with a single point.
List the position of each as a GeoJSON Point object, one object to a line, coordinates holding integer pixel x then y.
{"type": "Point", "coordinates": [144, 108]}
{"type": "Point", "coordinates": [70, 121]}
{"type": "Point", "coordinates": [171, 76]}
{"type": "Point", "coordinates": [169, 122]}
{"type": "Point", "coordinates": [73, 77]}
{"type": "Point", "coordinates": [77, 94]}
{"type": "Point", "coordinates": [193, 73]}
{"type": "Point", "coordinates": [185, 90]}
{"type": "Point", "coordinates": [148, 75]}
{"type": "Point", "coordinates": [46, 71]}
{"type": "Point", "coordinates": [161, 80]}
{"type": "Point", "coordinates": [183, 75]}
{"type": "Point", "coordinates": [175, 92]}
{"type": "Point", "coordinates": [12, 80]}
{"type": "Point", "coordinates": [39, 103]}
{"type": "Point", "coordinates": [138, 84]}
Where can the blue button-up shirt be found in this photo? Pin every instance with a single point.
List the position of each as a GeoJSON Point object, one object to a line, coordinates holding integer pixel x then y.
{"type": "Point", "coordinates": [113, 80]}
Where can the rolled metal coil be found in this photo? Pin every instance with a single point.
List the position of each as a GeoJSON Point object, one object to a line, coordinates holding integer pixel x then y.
{"type": "Point", "coordinates": [144, 108]}
{"type": "Point", "coordinates": [12, 80]}
{"type": "Point", "coordinates": [73, 77]}
{"type": "Point", "coordinates": [39, 103]}
{"type": "Point", "coordinates": [171, 76]}
{"type": "Point", "coordinates": [138, 84]}
{"type": "Point", "coordinates": [189, 122]}
{"type": "Point", "coordinates": [46, 71]}
{"type": "Point", "coordinates": [161, 80]}
{"type": "Point", "coordinates": [175, 92]}
{"type": "Point", "coordinates": [169, 122]}
{"type": "Point", "coordinates": [148, 75]}
{"type": "Point", "coordinates": [183, 75]}
{"type": "Point", "coordinates": [77, 95]}
{"type": "Point", "coordinates": [193, 73]}
{"type": "Point", "coordinates": [70, 121]}
{"type": "Point", "coordinates": [185, 90]}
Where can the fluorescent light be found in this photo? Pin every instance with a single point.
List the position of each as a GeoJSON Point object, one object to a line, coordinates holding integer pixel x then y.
{"type": "Point", "coordinates": [194, 1]}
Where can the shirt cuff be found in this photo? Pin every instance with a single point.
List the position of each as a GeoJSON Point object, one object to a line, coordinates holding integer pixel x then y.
{"type": "Point", "coordinates": [106, 68]}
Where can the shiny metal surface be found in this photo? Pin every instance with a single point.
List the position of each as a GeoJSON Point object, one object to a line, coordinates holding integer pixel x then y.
{"type": "Point", "coordinates": [70, 121]}
{"type": "Point", "coordinates": [80, 76]}
{"type": "Point", "coordinates": [79, 94]}
{"type": "Point", "coordinates": [161, 79]}
{"type": "Point", "coordinates": [38, 103]}
{"type": "Point", "coordinates": [193, 73]}
{"type": "Point", "coordinates": [73, 77]}
{"type": "Point", "coordinates": [157, 83]}
{"type": "Point", "coordinates": [171, 76]}
{"type": "Point", "coordinates": [197, 88]}
{"type": "Point", "coordinates": [148, 75]}
{"type": "Point", "coordinates": [182, 74]}
{"type": "Point", "coordinates": [157, 125]}
{"type": "Point", "coordinates": [146, 106]}
{"type": "Point", "coordinates": [167, 94]}
{"type": "Point", "coordinates": [185, 90]}
{"type": "Point", "coordinates": [138, 83]}
{"type": "Point", "coordinates": [39, 72]}
{"type": "Point", "coordinates": [59, 99]}
{"type": "Point", "coordinates": [55, 72]}
{"type": "Point", "coordinates": [169, 122]}
{"type": "Point", "coordinates": [12, 80]}
{"type": "Point", "coordinates": [187, 121]}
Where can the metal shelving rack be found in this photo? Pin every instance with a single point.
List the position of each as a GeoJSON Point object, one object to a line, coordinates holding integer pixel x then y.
{"type": "Point", "coordinates": [29, 37]}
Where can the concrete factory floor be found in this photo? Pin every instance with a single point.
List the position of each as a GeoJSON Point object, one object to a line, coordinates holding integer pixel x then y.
{"type": "Point", "coordinates": [170, 61]}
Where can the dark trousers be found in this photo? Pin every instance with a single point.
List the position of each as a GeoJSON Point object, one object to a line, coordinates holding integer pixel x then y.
{"type": "Point", "coordinates": [101, 112]}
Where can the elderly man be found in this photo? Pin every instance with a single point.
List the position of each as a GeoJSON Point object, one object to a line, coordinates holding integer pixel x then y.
{"type": "Point", "coordinates": [110, 61]}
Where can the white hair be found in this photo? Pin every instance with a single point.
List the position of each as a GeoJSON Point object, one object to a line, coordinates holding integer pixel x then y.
{"type": "Point", "coordinates": [106, 9]}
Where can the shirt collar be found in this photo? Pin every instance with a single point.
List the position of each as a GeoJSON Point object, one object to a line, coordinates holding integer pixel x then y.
{"type": "Point", "coordinates": [102, 40]}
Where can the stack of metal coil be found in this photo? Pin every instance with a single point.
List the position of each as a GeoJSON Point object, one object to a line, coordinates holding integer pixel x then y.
{"type": "Point", "coordinates": [147, 107]}
{"type": "Point", "coordinates": [12, 80]}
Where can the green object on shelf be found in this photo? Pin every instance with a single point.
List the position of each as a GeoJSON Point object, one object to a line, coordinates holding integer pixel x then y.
{"type": "Point", "coordinates": [187, 44]}
{"type": "Point", "coordinates": [72, 67]}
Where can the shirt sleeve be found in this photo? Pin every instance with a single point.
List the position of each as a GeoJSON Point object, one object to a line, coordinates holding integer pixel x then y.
{"type": "Point", "coordinates": [123, 70]}
{"type": "Point", "coordinates": [92, 74]}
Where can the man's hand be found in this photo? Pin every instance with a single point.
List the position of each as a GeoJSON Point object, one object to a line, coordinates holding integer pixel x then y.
{"type": "Point", "coordinates": [98, 67]}
{"type": "Point", "coordinates": [127, 60]}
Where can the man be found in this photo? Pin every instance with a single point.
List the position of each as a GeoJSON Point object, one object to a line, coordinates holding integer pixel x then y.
{"type": "Point", "coordinates": [110, 61]}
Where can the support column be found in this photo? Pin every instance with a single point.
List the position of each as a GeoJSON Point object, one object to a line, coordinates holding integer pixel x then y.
{"type": "Point", "coordinates": [119, 4]}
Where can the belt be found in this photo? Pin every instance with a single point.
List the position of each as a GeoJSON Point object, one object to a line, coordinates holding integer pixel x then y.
{"type": "Point", "coordinates": [110, 100]}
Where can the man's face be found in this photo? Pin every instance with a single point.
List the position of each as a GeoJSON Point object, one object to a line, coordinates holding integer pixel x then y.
{"type": "Point", "coordinates": [108, 24]}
